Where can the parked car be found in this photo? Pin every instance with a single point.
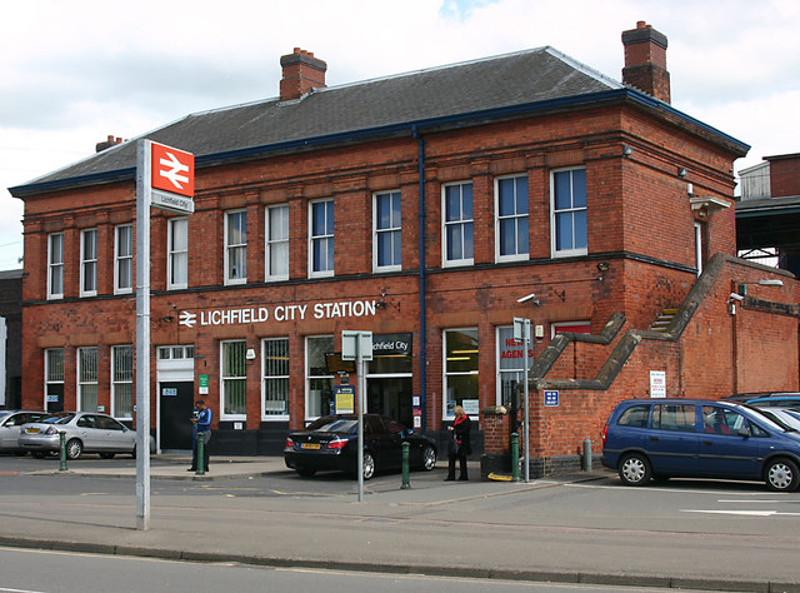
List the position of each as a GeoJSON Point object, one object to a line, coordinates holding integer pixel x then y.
{"type": "Point", "coordinates": [786, 400]}
{"type": "Point", "coordinates": [664, 438]}
{"type": "Point", "coordinates": [331, 443]}
{"type": "Point", "coordinates": [85, 432]}
{"type": "Point", "coordinates": [10, 423]}
{"type": "Point", "coordinates": [786, 416]}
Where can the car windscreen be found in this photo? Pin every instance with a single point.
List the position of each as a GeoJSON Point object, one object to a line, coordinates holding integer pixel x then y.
{"type": "Point", "coordinates": [345, 425]}
{"type": "Point", "coordinates": [771, 419]}
{"type": "Point", "coordinates": [57, 419]}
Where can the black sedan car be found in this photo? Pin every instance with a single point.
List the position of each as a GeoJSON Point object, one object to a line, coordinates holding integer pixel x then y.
{"type": "Point", "coordinates": [331, 443]}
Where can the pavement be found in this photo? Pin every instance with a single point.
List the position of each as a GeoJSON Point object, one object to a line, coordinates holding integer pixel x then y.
{"type": "Point", "coordinates": [465, 529]}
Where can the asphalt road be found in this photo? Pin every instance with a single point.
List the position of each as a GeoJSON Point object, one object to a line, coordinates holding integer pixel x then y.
{"type": "Point", "coordinates": [21, 572]}
{"type": "Point", "coordinates": [722, 532]}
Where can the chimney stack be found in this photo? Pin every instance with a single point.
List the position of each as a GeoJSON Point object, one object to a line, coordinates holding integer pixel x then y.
{"type": "Point", "coordinates": [646, 61]}
{"type": "Point", "coordinates": [302, 73]}
{"type": "Point", "coordinates": [112, 141]}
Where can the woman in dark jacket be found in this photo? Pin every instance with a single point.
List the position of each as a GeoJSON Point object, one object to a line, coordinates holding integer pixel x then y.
{"type": "Point", "coordinates": [460, 446]}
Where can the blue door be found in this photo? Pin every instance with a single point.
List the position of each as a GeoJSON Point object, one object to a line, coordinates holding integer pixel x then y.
{"type": "Point", "coordinates": [724, 451]}
{"type": "Point", "coordinates": [672, 439]}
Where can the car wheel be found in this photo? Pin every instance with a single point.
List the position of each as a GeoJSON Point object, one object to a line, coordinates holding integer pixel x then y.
{"type": "Point", "coordinates": [306, 472]}
{"type": "Point", "coordinates": [428, 458]}
{"type": "Point", "coordinates": [74, 449]}
{"type": "Point", "coordinates": [781, 475]}
{"type": "Point", "coordinates": [107, 455]}
{"type": "Point", "coordinates": [369, 465]}
{"type": "Point", "coordinates": [634, 470]}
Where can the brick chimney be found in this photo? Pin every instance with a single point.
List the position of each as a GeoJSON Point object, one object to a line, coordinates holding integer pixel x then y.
{"type": "Point", "coordinates": [302, 73]}
{"type": "Point", "coordinates": [646, 61]}
{"type": "Point", "coordinates": [112, 141]}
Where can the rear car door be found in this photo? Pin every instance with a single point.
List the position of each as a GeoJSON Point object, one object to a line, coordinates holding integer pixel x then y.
{"type": "Point", "coordinates": [672, 441]}
{"type": "Point", "coordinates": [92, 437]}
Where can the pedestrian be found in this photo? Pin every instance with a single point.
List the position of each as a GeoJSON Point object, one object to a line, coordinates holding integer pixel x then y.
{"type": "Point", "coordinates": [201, 429]}
{"type": "Point", "coordinates": [460, 445]}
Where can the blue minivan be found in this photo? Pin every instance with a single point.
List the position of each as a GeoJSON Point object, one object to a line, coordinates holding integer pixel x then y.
{"type": "Point", "coordinates": [663, 438]}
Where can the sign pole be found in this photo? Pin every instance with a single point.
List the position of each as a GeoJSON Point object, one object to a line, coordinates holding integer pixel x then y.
{"type": "Point", "coordinates": [357, 345]}
{"type": "Point", "coordinates": [143, 176]}
{"type": "Point", "coordinates": [525, 343]}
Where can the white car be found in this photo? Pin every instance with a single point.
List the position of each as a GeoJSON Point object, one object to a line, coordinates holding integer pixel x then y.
{"type": "Point", "coordinates": [11, 422]}
{"type": "Point", "coordinates": [84, 432]}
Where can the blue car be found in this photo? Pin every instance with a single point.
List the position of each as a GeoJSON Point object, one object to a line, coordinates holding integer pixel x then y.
{"type": "Point", "coordinates": [664, 438]}
{"type": "Point", "coordinates": [776, 401]}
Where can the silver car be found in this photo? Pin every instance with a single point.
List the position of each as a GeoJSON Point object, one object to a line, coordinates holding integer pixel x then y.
{"type": "Point", "coordinates": [84, 432]}
{"type": "Point", "coordinates": [10, 423]}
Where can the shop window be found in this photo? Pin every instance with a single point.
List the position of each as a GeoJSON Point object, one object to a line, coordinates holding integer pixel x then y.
{"type": "Point", "coordinates": [233, 380]}
{"type": "Point", "coordinates": [55, 266]}
{"type": "Point", "coordinates": [321, 238]}
{"type": "Point", "coordinates": [177, 253]}
{"type": "Point", "coordinates": [387, 232]}
{"type": "Point", "coordinates": [457, 224]}
{"type": "Point", "coordinates": [569, 224]}
{"type": "Point", "coordinates": [236, 247]}
{"type": "Point", "coordinates": [511, 218]}
{"type": "Point", "coordinates": [275, 378]}
{"type": "Point", "coordinates": [277, 243]}
{"type": "Point", "coordinates": [122, 382]}
{"type": "Point", "coordinates": [87, 379]}
{"type": "Point", "coordinates": [123, 259]}
{"type": "Point", "coordinates": [319, 381]}
{"type": "Point", "coordinates": [461, 370]}
{"type": "Point", "coordinates": [88, 262]}
{"type": "Point", "coordinates": [54, 379]}
{"type": "Point", "coordinates": [510, 366]}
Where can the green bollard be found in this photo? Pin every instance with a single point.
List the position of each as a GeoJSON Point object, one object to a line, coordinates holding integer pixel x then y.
{"type": "Point", "coordinates": [62, 448]}
{"type": "Point", "coordinates": [201, 463]}
{"type": "Point", "coordinates": [406, 473]}
{"type": "Point", "coordinates": [515, 457]}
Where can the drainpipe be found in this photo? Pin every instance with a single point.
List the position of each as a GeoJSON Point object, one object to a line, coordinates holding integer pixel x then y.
{"type": "Point", "coordinates": [423, 331]}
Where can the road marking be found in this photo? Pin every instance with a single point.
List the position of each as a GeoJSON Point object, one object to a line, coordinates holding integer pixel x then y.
{"type": "Point", "coordinates": [743, 513]}
{"type": "Point", "coordinates": [5, 590]}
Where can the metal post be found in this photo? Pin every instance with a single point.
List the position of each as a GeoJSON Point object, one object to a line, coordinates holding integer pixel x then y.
{"type": "Point", "coordinates": [587, 455]}
{"type": "Point", "coordinates": [406, 473]}
{"type": "Point", "coordinates": [143, 190]}
{"type": "Point", "coordinates": [62, 448]}
{"type": "Point", "coordinates": [201, 452]}
{"type": "Point", "coordinates": [515, 456]}
{"type": "Point", "coordinates": [526, 340]}
{"type": "Point", "coordinates": [361, 403]}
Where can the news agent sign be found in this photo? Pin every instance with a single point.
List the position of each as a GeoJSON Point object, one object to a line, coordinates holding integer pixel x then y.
{"type": "Point", "coordinates": [171, 178]}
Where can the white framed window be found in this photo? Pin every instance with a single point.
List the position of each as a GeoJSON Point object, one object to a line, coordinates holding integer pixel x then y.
{"type": "Point", "coordinates": [511, 218]}
{"type": "Point", "coordinates": [386, 232]}
{"type": "Point", "coordinates": [510, 365]}
{"type": "Point", "coordinates": [569, 230]}
{"type": "Point", "coordinates": [457, 224]}
{"type": "Point", "coordinates": [275, 379]}
{"type": "Point", "coordinates": [177, 253]}
{"type": "Point", "coordinates": [175, 352]}
{"type": "Point", "coordinates": [55, 266]}
{"type": "Point", "coordinates": [88, 262]}
{"type": "Point", "coordinates": [698, 247]}
{"type": "Point", "coordinates": [236, 247]}
{"type": "Point", "coordinates": [460, 368]}
{"type": "Point", "coordinates": [320, 247]}
{"type": "Point", "coordinates": [87, 379]}
{"type": "Point", "coordinates": [233, 379]}
{"type": "Point", "coordinates": [276, 248]}
{"type": "Point", "coordinates": [53, 379]}
{"type": "Point", "coordinates": [122, 382]}
{"type": "Point", "coordinates": [123, 259]}
{"type": "Point", "coordinates": [319, 381]}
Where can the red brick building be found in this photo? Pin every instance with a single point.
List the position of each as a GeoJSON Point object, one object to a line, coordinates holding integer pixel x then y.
{"type": "Point", "coordinates": [423, 207]}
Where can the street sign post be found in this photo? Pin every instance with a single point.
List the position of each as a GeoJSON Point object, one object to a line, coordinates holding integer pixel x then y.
{"type": "Point", "coordinates": [522, 331]}
{"type": "Point", "coordinates": [164, 179]}
{"type": "Point", "coordinates": [357, 345]}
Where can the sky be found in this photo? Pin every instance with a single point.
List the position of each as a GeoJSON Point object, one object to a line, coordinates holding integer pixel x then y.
{"type": "Point", "coordinates": [73, 73]}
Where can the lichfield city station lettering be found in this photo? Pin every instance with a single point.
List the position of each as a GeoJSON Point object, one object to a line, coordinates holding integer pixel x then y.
{"type": "Point", "coordinates": [278, 313]}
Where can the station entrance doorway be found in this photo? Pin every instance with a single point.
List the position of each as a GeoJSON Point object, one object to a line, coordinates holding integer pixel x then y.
{"type": "Point", "coordinates": [389, 378]}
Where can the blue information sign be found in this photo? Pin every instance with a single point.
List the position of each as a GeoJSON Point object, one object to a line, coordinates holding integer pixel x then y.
{"type": "Point", "coordinates": [551, 398]}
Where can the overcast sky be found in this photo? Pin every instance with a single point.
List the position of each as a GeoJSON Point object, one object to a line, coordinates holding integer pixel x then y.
{"type": "Point", "coordinates": [73, 72]}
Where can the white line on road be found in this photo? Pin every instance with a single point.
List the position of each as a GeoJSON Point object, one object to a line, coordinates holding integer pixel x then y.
{"type": "Point", "coordinates": [742, 513]}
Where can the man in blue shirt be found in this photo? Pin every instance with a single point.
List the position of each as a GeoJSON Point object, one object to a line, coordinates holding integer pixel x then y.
{"type": "Point", "coordinates": [201, 429]}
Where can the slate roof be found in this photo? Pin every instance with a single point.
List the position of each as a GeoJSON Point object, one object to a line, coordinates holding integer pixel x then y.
{"type": "Point", "coordinates": [350, 111]}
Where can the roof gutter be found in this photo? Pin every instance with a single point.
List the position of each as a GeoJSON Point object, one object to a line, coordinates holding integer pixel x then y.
{"type": "Point", "coordinates": [405, 128]}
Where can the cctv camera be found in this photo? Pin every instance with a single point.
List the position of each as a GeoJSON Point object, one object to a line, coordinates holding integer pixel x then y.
{"type": "Point", "coordinates": [526, 298]}
{"type": "Point", "coordinates": [736, 297]}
